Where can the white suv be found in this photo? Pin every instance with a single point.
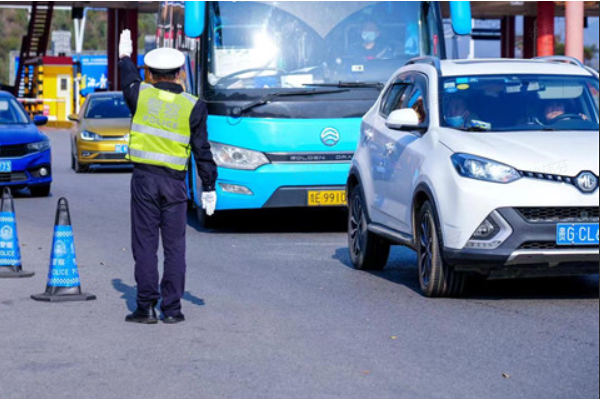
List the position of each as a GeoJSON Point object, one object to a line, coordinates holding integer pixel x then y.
{"type": "Point", "coordinates": [485, 167]}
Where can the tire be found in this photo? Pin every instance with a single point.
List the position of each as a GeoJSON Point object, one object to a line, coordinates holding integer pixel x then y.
{"type": "Point", "coordinates": [40, 191]}
{"type": "Point", "coordinates": [437, 278]}
{"type": "Point", "coordinates": [368, 251]}
{"type": "Point", "coordinates": [78, 167]}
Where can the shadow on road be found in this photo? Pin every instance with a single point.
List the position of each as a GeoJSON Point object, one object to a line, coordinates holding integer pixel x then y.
{"type": "Point", "coordinates": [275, 221]}
{"type": "Point", "coordinates": [402, 270]}
{"type": "Point", "coordinates": [129, 294]}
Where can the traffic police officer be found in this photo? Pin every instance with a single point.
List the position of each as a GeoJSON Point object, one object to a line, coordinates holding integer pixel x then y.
{"type": "Point", "coordinates": [168, 126]}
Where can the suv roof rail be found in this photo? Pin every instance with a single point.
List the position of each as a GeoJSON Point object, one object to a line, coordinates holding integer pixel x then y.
{"type": "Point", "coordinates": [562, 59]}
{"type": "Point", "coordinates": [433, 61]}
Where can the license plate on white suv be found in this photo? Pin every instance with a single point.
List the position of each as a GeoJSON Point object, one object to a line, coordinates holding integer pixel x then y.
{"type": "Point", "coordinates": [577, 234]}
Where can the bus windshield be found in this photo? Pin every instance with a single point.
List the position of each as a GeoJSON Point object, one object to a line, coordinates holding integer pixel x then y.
{"type": "Point", "coordinates": [259, 46]}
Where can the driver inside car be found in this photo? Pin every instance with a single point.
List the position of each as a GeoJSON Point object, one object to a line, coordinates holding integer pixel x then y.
{"type": "Point", "coordinates": [557, 109]}
{"type": "Point", "coordinates": [371, 47]}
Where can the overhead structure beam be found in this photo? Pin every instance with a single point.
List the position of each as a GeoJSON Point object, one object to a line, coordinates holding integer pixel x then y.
{"type": "Point", "coordinates": [140, 6]}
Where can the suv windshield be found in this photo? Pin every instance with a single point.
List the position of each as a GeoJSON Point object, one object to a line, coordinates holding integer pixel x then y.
{"type": "Point", "coordinates": [520, 103]}
{"type": "Point", "coordinates": [11, 113]}
{"type": "Point", "coordinates": [107, 107]}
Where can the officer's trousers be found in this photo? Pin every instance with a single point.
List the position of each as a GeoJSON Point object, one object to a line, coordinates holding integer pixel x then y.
{"type": "Point", "coordinates": [159, 208]}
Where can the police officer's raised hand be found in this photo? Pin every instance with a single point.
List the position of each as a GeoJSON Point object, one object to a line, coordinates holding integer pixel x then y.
{"type": "Point", "coordinates": [125, 45]}
{"type": "Point", "coordinates": [209, 202]}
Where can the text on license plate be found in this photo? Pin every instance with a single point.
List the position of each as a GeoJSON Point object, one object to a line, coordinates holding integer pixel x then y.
{"type": "Point", "coordinates": [319, 198]}
{"type": "Point", "coordinates": [577, 234]}
{"type": "Point", "coordinates": [6, 166]}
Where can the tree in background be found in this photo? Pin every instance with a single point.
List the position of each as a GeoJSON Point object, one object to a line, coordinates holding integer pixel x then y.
{"type": "Point", "coordinates": [589, 52]}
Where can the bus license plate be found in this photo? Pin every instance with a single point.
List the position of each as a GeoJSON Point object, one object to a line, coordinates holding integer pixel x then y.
{"type": "Point", "coordinates": [323, 198]}
{"type": "Point", "coordinates": [577, 235]}
{"type": "Point", "coordinates": [6, 167]}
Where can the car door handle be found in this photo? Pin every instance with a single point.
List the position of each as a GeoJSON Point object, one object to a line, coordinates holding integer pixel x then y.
{"type": "Point", "coordinates": [390, 148]}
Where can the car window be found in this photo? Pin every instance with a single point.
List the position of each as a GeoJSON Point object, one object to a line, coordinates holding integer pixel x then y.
{"type": "Point", "coordinates": [11, 112]}
{"type": "Point", "coordinates": [509, 103]}
{"type": "Point", "coordinates": [393, 99]}
{"type": "Point", "coordinates": [107, 107]}
{"type": "Point", "coordinates": [594, 92]}
{"type": "Point", "coordinates": [417, 99]}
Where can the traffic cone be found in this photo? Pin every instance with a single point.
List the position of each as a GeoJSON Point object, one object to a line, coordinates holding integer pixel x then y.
{"type": "Point", "coordinates": [63, 279]}
{"type": "Point", "coordinates": [10, 251]}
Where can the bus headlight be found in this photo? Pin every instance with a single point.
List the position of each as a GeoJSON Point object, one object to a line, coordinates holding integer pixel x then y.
{"type": "Point", "coordinates": [236, 158]}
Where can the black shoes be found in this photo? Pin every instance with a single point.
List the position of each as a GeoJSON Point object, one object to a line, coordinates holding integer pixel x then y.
{"type": "Point", "coordinates": [143, 316]}
{"type": "Point", "coordinates": [174, 320]}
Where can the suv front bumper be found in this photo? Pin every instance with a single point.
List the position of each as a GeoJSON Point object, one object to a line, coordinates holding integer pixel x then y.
{"type": "Point", "coordinates": [530, 251]}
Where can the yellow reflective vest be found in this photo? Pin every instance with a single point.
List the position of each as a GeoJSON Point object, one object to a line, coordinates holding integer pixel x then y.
{"type": "Point", "coordinates": [160, 130]}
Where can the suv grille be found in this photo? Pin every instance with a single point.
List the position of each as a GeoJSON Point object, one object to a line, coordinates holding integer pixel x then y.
{"type": "Point", "coordinates": [563, 214]}
{"type": "Point", "coordinates": [551, 246]}
{"type": "Point", "coordinates": [19, 150]}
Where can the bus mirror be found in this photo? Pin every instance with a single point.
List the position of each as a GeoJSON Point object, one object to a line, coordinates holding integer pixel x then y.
{"type": "Point", "coordinates": [461, 17]}
{"type": "Point", "coordinates": [194, 18]}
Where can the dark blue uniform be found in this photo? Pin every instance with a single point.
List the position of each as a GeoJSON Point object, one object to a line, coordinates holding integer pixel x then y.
{"type": "Point", "coordinates": [159, 206]}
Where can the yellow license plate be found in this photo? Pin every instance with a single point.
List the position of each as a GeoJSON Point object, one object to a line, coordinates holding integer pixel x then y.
{"type": "Point", "coordinates": [323, 198]}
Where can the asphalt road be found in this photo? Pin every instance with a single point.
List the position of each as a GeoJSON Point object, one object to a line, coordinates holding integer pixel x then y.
{"type": "Point", "coordinates": [274, 310]}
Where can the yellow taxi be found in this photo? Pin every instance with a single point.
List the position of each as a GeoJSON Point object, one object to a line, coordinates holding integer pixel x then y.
{"type": "Point", "coordinates": [100, 135]}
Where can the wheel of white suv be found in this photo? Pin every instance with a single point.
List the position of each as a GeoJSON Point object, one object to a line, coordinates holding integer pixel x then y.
{"type": "Point", "coordinates": [367, 251]}
{"type": "Point", "coordinates": [437, 278]}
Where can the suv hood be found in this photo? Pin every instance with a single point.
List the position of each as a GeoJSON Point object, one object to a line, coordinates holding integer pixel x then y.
{"type": "Point", "coordinates": [20, 134]}
{"type": "Point", "coordinates": [565, 153]}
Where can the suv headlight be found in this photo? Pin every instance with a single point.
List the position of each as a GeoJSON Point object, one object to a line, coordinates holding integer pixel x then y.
{"type": "Point", "coordinates": [237, 158]}
{"type": "Point", "coordinates": [474, 167]}
{"type": "Point", "coordinates": [90, 136]}
{"type": "Point", "coordinates": [38, 147]}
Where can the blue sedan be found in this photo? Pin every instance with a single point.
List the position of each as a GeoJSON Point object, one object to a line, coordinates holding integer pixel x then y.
{"type": "Point", "coordinates": [25, 158]}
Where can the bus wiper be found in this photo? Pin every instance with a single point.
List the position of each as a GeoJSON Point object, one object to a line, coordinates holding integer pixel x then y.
{"type": "Point", "coordinates": [238, 112]}
{"type": "Point", "coordinates": [350, 85]}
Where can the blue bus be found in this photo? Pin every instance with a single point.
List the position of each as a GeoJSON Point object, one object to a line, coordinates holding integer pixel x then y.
{"type": "Point", "coordinates": [287, 83]}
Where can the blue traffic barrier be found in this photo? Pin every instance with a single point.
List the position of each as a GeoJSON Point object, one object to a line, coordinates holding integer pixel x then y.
{"type": "Point", "coordinates": [64, 283]}
{"type": "Point", "coordinates": [10, 251]}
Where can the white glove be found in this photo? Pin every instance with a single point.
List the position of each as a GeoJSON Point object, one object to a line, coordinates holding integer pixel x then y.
{"type": "Point", "coordinates": [209, 202]}
{"type": "Point", "coordinates": [125, 45]}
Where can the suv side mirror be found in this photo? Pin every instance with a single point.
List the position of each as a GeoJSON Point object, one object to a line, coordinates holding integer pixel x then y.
{"type": "Point", "coordinates": [74, 117]}
{"type": "Point", "coordinates": [404, 120]}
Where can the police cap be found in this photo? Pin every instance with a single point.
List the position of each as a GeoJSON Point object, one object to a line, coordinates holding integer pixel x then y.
{"type": "Point", "coordinates": [164, 60]}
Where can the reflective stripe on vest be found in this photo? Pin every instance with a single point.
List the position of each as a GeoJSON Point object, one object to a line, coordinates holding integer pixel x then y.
{"type": "Point", "coordinates": [160, 130]}
{"type": "Point", "coordinates": [161, 133]}
{"type": "Point", "coordinates": [162, 158]}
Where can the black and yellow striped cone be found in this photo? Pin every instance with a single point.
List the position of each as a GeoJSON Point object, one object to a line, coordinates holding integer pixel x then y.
{"type": "Point", "coordinates": [10, 251]}
{"type": "Point", "coordinates": [63, 279]}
